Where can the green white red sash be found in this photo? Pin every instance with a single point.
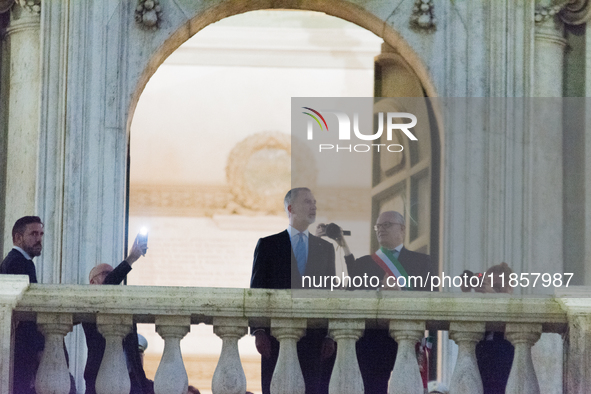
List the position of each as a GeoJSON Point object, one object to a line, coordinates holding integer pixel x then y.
{"type": "Point", "coordinates": [390, 264]}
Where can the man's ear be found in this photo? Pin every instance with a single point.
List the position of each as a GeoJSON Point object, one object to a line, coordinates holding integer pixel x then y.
{"type": "Point", "coordinates": [17, 239]}
{"type": "Point", "coordinates": [289, 208]}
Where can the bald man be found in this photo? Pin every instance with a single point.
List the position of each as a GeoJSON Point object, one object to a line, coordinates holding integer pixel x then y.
{"type": "Point", "coordinates": [104, 274]}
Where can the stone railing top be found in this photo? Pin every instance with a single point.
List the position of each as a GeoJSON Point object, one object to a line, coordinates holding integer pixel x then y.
{"type": "Point", "coordinates": [260, 305]}
{"type": "Point", "coordinates": [12, 289]}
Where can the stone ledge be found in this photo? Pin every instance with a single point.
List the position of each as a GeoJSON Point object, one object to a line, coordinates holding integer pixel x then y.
{"type": "Point", "coordinates": [203, 304]}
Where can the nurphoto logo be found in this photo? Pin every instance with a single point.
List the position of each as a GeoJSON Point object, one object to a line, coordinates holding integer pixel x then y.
{"type": "Point", "coordinates": [344, 129]}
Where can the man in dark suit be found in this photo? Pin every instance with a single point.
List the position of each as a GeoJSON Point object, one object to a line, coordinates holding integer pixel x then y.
{"type": "Point", "coordinates": [27, 238]}
{"type": "Point", "coordinates": [280, 262]}
{"type": "Point", "coordinates": [104, 274]}
{"type": "Point", "coordinates": [376, 350]}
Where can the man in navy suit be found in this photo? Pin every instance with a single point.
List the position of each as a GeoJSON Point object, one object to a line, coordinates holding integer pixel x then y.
{"type": "Point", "coordinates": [376, 350]}
{"type": "Point", "coordinates": [280, 262]}
{"type": "Point", "coordinates": [27, 238]}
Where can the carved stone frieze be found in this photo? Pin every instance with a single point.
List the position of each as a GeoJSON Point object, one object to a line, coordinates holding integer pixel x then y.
{"type": "Point", "coordinates": [148, 14]}
{"type": "Point", "coordinates": [423, 16]}
{"type": "Point", "coordinates": [33, 6]}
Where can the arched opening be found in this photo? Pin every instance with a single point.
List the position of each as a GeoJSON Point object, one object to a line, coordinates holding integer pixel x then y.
{"type": "Point", "coordinates": [186, 160]}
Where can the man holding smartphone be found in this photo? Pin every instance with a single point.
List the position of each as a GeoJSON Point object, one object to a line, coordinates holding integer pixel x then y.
{"type": "Point", "coordinates": [104, 274]}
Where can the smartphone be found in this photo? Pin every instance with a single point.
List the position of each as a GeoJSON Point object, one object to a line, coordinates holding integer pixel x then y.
{"type": "Point", "coordinates": [143, 238]}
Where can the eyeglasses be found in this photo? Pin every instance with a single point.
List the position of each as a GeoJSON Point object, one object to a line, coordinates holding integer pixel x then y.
{"type": "Point", "coordinates": [384, 226]}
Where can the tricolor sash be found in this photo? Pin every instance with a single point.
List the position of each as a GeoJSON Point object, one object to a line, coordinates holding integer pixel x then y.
{"type": "Point", "coordinates": [390, 264]}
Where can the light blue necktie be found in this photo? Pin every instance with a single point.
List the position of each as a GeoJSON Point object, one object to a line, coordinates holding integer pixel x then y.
{"type": "Point", "coordinates": [396, 253]}
{"type": "Point", "coordinates": [300, 253]}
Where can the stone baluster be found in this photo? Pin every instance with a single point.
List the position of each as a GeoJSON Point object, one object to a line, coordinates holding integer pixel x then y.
{"type": "Point", "coordinates": [287, 377]}
{"type": "Point", "coordinates": [522, 379]}
{"type": "Point", "coordinates": [346, 376]}
{"type": "Point", "coordinates": [229, 377]}
{"type": "Point", "coordinates": [53, 376]}
{"type": "Point", "coordinates": [171, 376]}
{"type": "Point", "coordinates": [466, 377]}
{"type": "Point", "coordinates": [113, 376]}
{"type": "Point", "coordinates": [406, 377]}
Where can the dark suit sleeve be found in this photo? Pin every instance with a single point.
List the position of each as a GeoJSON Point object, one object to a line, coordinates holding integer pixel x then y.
{"type": "Point", "coordinates": [258, 279]}
{"type": "Point", "coordinates": [118, 274]}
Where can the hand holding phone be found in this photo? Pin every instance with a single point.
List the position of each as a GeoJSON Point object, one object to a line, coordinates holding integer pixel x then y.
{"type": "Point", "coordinates": [142, 240]}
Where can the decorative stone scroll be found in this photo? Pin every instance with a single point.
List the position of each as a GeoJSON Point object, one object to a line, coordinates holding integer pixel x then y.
{"type": "Point", "coordinates": [148, 14]}
{"type": "Point", "coordinates": [576, 12]}
{"type": "Point", "coordinates": [572, 12]}
{"type": "Point", "coordinates": [423, 16]}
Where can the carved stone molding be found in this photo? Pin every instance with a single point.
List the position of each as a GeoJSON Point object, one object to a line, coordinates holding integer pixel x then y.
{"type": "Point", "coordinates": [148, 14]}
{"type": "Point", "coordinates": [33, 6]}
{"type": "Point", "coordinates": [423, 16]}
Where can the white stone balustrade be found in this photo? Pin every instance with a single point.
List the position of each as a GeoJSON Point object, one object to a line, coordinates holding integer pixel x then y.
{"type": "Point", "coordinates": [287, 377]}
{"type": "Point", "coordinates": [113, 377]}
{"type": "Point", "coordinates": [229, 377]}
{"type": "Point", "coordinates": [171, 376]}
{"type": "Point", "coordinates": [406, 377]}
{"type": "Point", "coordinates": [522, 379]}
{"type": "Point", "coordinates": [408, 314]}
{"type": "Point", "coordinates": [346, 377]}
{"type": "Point", "coordinates": [466, 377]}
{"type": "Point", "coordinates": [12, 288]}
{"type": "Point", "coordinates": [53, 376]}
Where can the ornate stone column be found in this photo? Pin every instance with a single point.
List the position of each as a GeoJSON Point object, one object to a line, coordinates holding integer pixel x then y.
{"type": "Point", "coordinates": [522, 379]}
{"type": "Point", "coordinates": [23, 40]}
{"type": "Point", "coordinates": [466, 377]}
{"type": "Point", "coordinates": [12, 288]}
{"type": "Point", "coordinates": [346, 376]}
{"type": "Point", "coordinates": [229, 377]}
{"type": "Point", "coordinates": [287, 377]}
{"type": "Point", "coordinates": [53, 376]}
{"type": "Point", "coordinates": [406, 377]}
{"type": "Point", "coordinates": [171, 376]}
